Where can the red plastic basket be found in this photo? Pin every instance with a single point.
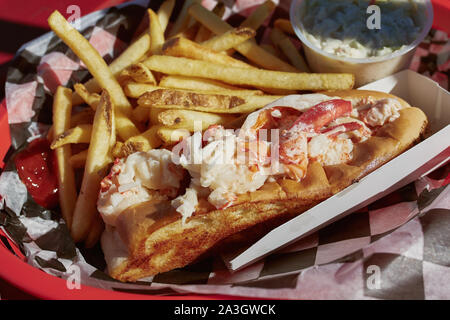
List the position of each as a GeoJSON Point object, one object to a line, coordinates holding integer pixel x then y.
{"type": "Point", "coordinates": [44, 286]}
{"type": "Point", "coordinates": [441, 15]}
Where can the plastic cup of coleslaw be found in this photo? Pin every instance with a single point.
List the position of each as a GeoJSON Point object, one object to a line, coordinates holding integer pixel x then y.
{"type": "Point", "coordinates": [366, 69]}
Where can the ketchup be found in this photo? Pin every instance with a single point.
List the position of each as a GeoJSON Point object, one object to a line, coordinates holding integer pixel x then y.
{"type": "Point", "coordinates": [37, 168]}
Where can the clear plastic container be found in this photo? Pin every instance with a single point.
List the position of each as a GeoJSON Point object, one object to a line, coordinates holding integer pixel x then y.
{"type": "Point", "coordinates": [365, 69]}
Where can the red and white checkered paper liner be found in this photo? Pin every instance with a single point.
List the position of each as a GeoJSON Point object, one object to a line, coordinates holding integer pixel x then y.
{"type": "Point", "coordinates": [396, 248]}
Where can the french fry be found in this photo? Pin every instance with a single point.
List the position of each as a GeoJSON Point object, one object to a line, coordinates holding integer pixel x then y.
{"type": "Point", "coordinates": [182, 47]}
{"type": "Point", "coordinates": [229, 39]}
{"type": "Point", "coordinates": [171, 136]}
{"type": "Point", "coordinates": [259, 15]}
{"type": "Point", "coordinates": [84, 116]}
{"type": "Point", "coordinates": [219, 43]}
{"type": "Point", "coordinates": [139, 73]}
{"type": "Point", "coordinates": [190, 32]}
{"type": "Point", "coordinates": [95, 169]}
{"type": "Point", "coordinates": [203, 33]}
{"type": "Point", "coordinates": [234, 37]}
{"type": "Point", "coordinates": [253, 103]}
{"type": "Point", "coordinates": [182, 21]}
{"type": "Point", "coordinates": [204, 86]}
{"type": "Point", "coordinates": [132, 54]}
{"type": "Point", "coordinates": [62, 107]}
{"type": "Point", "coordinates": [135, 90]}
{"type": "Point", "coordinates": [191, 120]}
{"type": "Point", "coordinates": [78, 134]}
{"type": "Point", "coordinates": [175, 99]}
{"type": "Point", "coordinates": [124, 126]}
{"type": "Point", "coordinates": [92, 99]}
{"type": "Point", "coordinates": [249, 49]}
{"type": "Point", "coordinates": [141, 114]}
{"type": "Point", "coordinates": [280, 92]}
{"type": "Point", "coordinates": [261, 100]}
{"type": "Point", "coordinates": [153, 114]}
{"type": "Point", "coordinates": [270, 48]}
{"type": "Point", "coordinates": [156, 33]}
{"type": "Point", "coordinates": [164, 13]}
{"type": "Point", "coordinates": [287, 47]}
{"type": "Point", "coordinates": [187, 99]}
{"type": "Point", "coordinates": [263, 58]}
{"type": "Point", "coordinates": [91, 58]}
{"type": "Point", "coordinates": [257, 18]}
{"type": "Point", "coordinates": [145, 141]}
{"type": "Point", "coordinates": [189, 83]}
{"type": "Point", "coordinates": [95, 232]}
{"type": "Point", "coordinates": [78, 160]}
{"type": "Point", "coordinates": [254, 77]}
{"type": "Point", "coordinates": [284, 25]}
{"type": "Point", "coordinates": [244, 108]}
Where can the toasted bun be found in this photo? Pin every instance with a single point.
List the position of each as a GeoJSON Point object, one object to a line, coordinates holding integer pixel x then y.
{"type": "Point", "coordinates": [157, 241]}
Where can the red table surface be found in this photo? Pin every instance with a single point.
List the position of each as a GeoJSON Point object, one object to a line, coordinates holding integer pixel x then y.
{"type": "Point", "coordinates": [26, 20]}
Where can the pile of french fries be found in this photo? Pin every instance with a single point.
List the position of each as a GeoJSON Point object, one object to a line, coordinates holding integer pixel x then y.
{"type": "Point", "coordinates": [198, 69]}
